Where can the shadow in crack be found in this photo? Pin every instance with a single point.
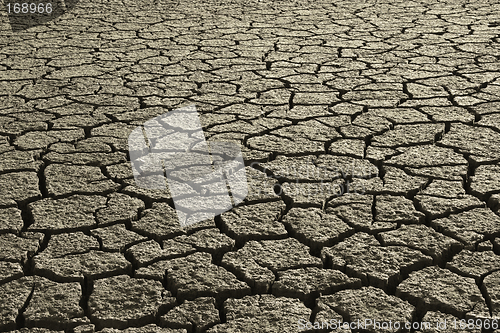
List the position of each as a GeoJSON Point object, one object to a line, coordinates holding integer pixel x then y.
{"type": "Point", "coordinates": [23, 15]}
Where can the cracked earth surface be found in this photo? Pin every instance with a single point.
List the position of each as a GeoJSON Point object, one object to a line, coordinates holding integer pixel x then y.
{"type": "Point", "coordinates": [371, 136]}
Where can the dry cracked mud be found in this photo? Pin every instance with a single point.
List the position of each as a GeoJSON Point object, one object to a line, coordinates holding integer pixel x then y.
{"type": "Point", "coordinates": [370, 132]}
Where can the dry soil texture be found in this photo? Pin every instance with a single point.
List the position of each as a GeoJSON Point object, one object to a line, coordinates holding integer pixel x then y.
{"type": "Point", "coordinates": [371, 135]}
